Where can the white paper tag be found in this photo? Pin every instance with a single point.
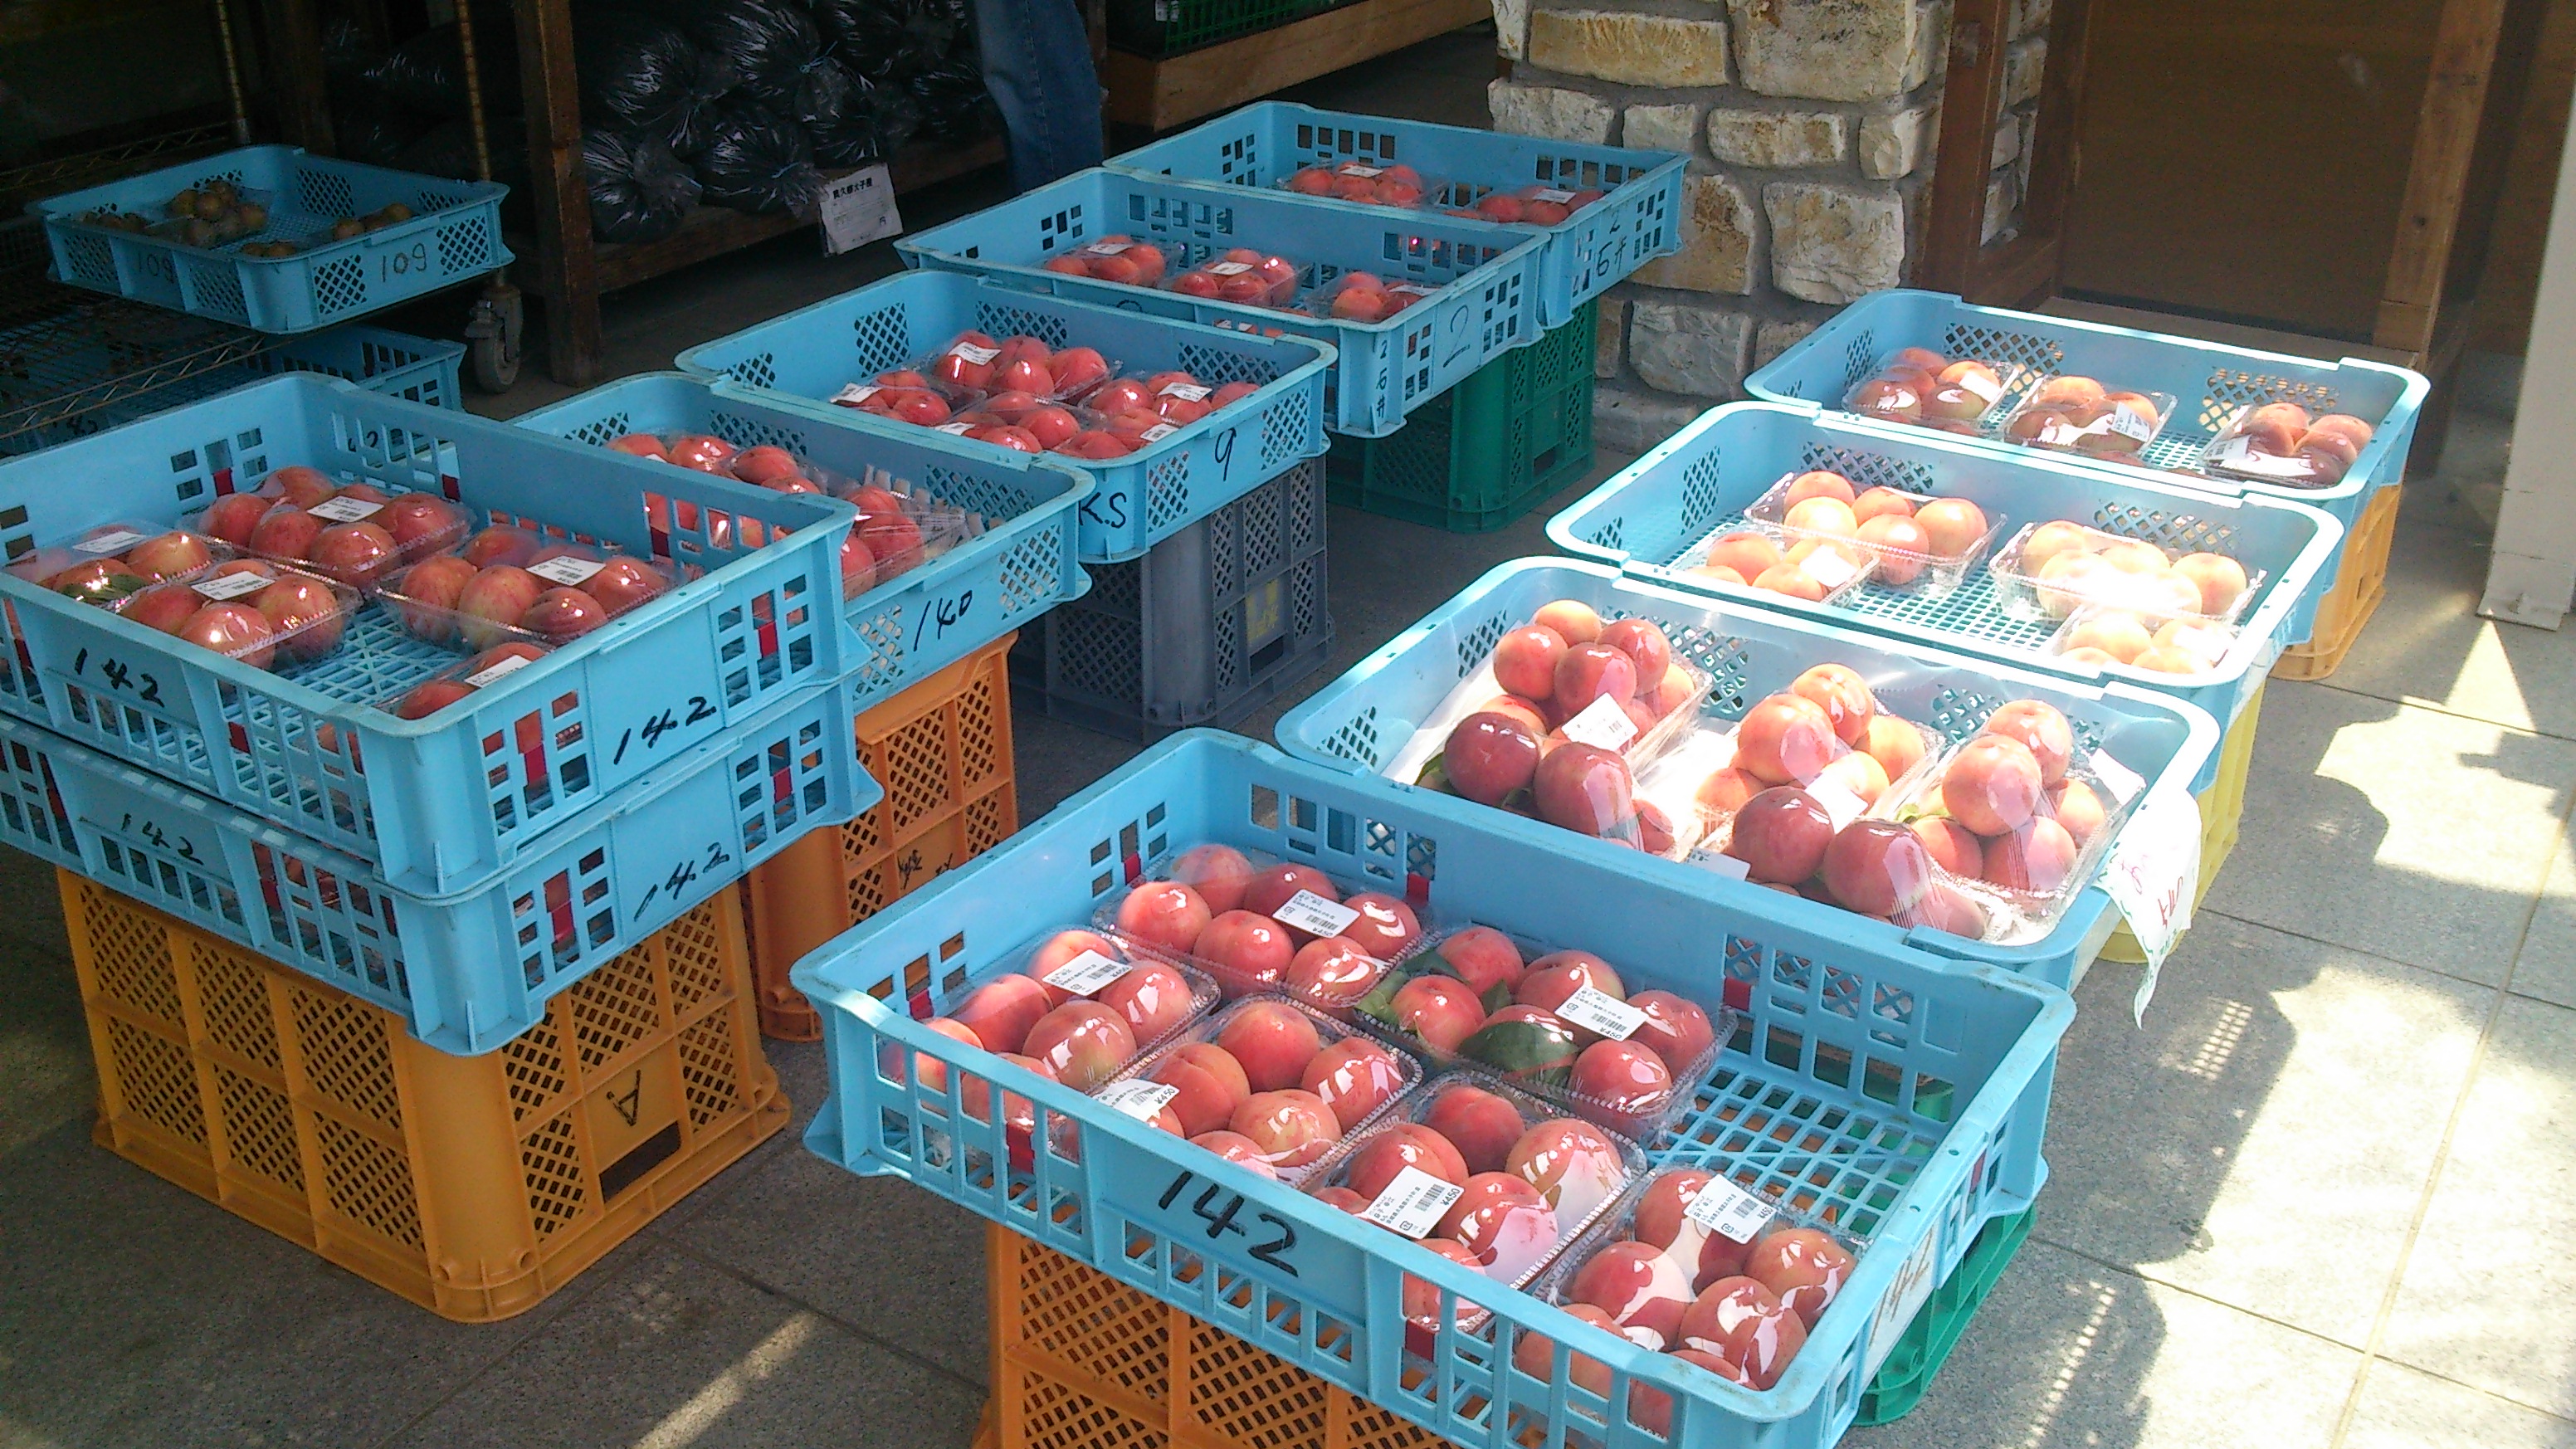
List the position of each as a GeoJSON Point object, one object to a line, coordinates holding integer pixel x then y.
{"type": "Point", "coordinates": [1228, 269]}
{"type": "Point", "coordinates": [1602, 724]}
{"type": "Point", "coordinates": [1085, 974]}
{"type": "Point", "coordinates": [1829, 568]}
{"type": "Point", "coordinates": [2129, 425]}
{"type": "Point", "coordinates": [1139, 1098]}
{"type": "Point", "coordinates": [1412, 289]}
{"type": "Point", "coordinates": [2154, 877]}
{"type": "Point", "coordinates": [344, 510]}
{"type": "Point", "coordinates": [231, 586]}
{"type": "Point", "coordinates": [2202, 642]}
{"type": "Point", "coordinates": [958, 430]}
{"type": "Point", "coordinates": [2062, 435]}
{"type": "Point", "coordinates": [1981, 386]}
{"type": "Point", "coordinates": [1718, 862]}
{"type": "Point", "coordinates": [1552, 196]}
{"type": "Point", "coordinates": [1727, 1210]}
{"type": "Point", "coordinates": [1896, 1309]}
{"type": "Point", "coordinates": [975, 354]}
{"type": "Point", "coordinates": [116, 542]}
{"type": "Point", "coordinates": [1353, 168]}
{"type": "Point", "coordinates": [1314, 915]}
{"type": "Point", "coordinates": [498, 668]}
{"type": "Point", "coordinates": [1600, 1013]}
{"type": "Point", "coordinates": [859, 208]}
{"type": "Point", "coordinates": [2123, 782]}
{"type": "Point", "coordinates": [1157, 433]}
{"type": "Point", "coordinates": [856, 393]}
{"type": "Point", "coordinates": [1185, 391]}
{"type": "Point", "coordinates": [1413, 1203]}
{"type": "Point", "coordinates": [1842, 807]}
{"type": "Point", "coordinates": [566, 570]}
{"type": "Point", "coordinates": [1101, 249]}
{"type": "Point", "coordinates": [2237, 454]}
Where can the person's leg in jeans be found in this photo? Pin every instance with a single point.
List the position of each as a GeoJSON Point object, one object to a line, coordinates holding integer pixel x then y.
{"type": "Point", "coordinates": [1037, 64]}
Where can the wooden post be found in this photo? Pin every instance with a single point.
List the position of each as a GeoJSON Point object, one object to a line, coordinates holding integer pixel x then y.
{"type": "Point", "coordinates": [566, 277]}
{"type": "Point", "coordinates": [295, 60]}
{"type": "Point", "coordinates": [1971, 95]}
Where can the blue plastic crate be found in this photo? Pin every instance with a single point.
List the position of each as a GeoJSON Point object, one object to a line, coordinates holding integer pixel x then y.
{"type": "Point", "coordinates": [1262, 145]}
{"type": "Point", "coordinates": [2210, 380]}
{"type": "Point", "coordinates": [794, 364]}
{"type": "Point", "coordinates": [1926, 1083]}
{"type": "Point", "coordinates": [920, 622]}
{"type": "Point", "coordinates": [470, 969]}
{"type": "Point", "coordinates": [432, 804]}
{"type": "Point", "coordinates": [1362, 720]}
{"type": "Point", "coordinates": [416, 369]}
{"type": "Point", "coordinates": [1487, 275]}
{"type": "Point", "coordinates": [1649, 519]}
{"type": "Point", "coordinates": [454, 233]}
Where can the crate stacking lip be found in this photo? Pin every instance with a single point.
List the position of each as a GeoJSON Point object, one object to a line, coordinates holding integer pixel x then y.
{"type": "Point", "coordinates": [2211, 380]}
{"type": "Point", "coordinates": [1486, 304]}
{"type": "Point", "coordinates": [1639, 220]}
{"type": "Point", "coordinates": [439, 802]}
{"type": "Point", "coordinates": [1649, 519]}
{"type": "Point", "coordinates": [1906, 1093]}
{"type": "Point", "coordinates": [454, 233]}
{"type": "Point", "coordinates": [927, 618]}
{"type": "Point", "coordinates": [471, 969]}
{"type": "Point", "coordinates": [794, 363]}
{"type": "Point", "coordinates": [1361, 721]}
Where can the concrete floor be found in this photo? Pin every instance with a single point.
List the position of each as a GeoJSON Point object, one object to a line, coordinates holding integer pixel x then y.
{"type": "Point", "coordinates": [2323, 1199]}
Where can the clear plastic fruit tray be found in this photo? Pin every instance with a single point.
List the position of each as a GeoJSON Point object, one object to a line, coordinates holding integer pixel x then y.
{"type": "Point", "coordinates": [795, 363]}
{"type": "Point", "coordinates": [1909, 1091]}
{"type": "Point", "coordinates": [1487, 276]}
{"type": "Point", "coordinates": [468, 970]}
{"type": "Point", "coordinates": [1654, 517]}
{"type": "Point", "coordinates": [1639, 220]}
{"type": "Point", "coordinates": [2212, 382]}
{"type": "Point", "coordinates": [454, 233]}
{"type": "Point", "coordinates": [923, 620]}
{"type": "Point", "coordinates": [1368, 714]}
{"type": "Point", "coordinates": [435, 804]}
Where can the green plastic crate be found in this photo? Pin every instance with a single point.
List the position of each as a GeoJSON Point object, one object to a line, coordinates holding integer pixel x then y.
{"type": "Point", "coordinates": [1159, 28]}
{"type": "Point", "coordinates": [1485, 452]}
{"type": "Point", "coordinates": [1909, 1368]}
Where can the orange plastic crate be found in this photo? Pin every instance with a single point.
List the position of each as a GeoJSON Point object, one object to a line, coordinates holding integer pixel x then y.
{"type": "Point", "coordinates": [2360, 583]}
{"type": "Point", "coordinates": [942, 749]}
{"type": "Point", "coordinates": [1082, 1361]}
{"type": "Point", "coordinates": [473, 1186]}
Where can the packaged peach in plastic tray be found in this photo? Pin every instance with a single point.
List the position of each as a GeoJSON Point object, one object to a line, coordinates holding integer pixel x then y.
{"type": "Point", "coordinates": [111, 563]}
{"type": "Point", "coordinates": [1241, 274]}
{"type": "Point", "coordinates": [352, 533]}
{"type": "Point", "coordinates": [2100, 634]}
{"type": "Point", "coordinates": [1481, 1173]}
{"type": "Point", "coordinates": [1757, 558]}
{"type": "Point", "coordinates": [1694, 1264]}
{"type": "Point", "coordinates": [1115, 258]}
{"type": "Point", "coordinates": [262, 613]}
{"type": "Point", "coordinates": [1366, 297]}
{"type": "Point", "coordinates": [1174, 396]}
{"type": "Point", "coordinates": [1258, 924]}
{"type": "Point", "coordinates": [1919, 386]}
{"type": "Point", "coordinates": [902, 525]}
{"type": "Point", "coordinates": [2051, 570]}
{"type": "Point", "coordinates": [1915, 540]}
{"type": "Point", "coordinates": [463, 679]}
{"type": "Point", "coordinates": [977, 362]}
{"type": "Point", "coordinates": [2280, 443]}
{"type": "Point", "coordinates": [511, 583]}
{"type": "Point", "coordinates": [1537, 204]}
{"type": "Point", "coordinates": [907, 396]}
{"type": "Point", "coordinates": [1265, 1082]}
{"type": "Point", "coordinates": [1567, 676]}
{"type": "Point", "coordinates": [1388, 185]}
{"type": "Point", "coordinates": [2077, 414]}
{"type": "Point", "coordinates": [1559, 1024]}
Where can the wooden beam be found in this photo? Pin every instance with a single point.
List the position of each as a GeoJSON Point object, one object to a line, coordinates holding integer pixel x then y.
{"type": "Point", "coordinates": [2446, 137]}
{"type": "Point", "coordinates": [1161, 94]}
{"type": "Point", "coordinates": [1971, 97]}
{"type": "Point", "coordinates": [294, 43]}
{"type": "Point", "coordinates": [566, 273]}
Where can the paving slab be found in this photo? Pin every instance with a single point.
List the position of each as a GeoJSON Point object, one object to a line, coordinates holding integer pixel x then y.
{"type": "Point", "coordinates": [2427, 645]}
{"type": "Point", "coordinates": [2401, 1408]}
{"type": "Point", "coordinates": [2547, 966]}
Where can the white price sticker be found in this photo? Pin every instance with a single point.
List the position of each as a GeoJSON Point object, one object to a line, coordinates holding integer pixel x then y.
{"type": "Point", "coordinates": [856, 393]}
{"type": "Point", "coordinates": [1983, 386]}
{"type": "Point", "coordinates": [344, 510]}
{"type": "Point", "coordinates": [2202, 642]}
{"type": "Point", "coordinates": [1139, 1098]}
{"type": "Point", "coordinates": [859, 208]}
{"type": "Point", "coordinates": [1413, 1203]}
{"type": "Point", "coordinates": [1552, 196]}
{"type": "Point", "coordinates": [499, 668]}
{"type": "Point", "coordinates": [2152, 876]}
{"type": "Point", "coordinates": [1228, 269]}
{"type": "Point", "coordinates": [1412, 289]}
{"type": "Point", "coordinates": [1086, 973]}
{"type": "Point", "coordinates": [2129, 425]}
{"type": "Point", "coordinates": [1314, 915]}
{"type": "Point", "coordinates": [1101, 249]}
{"type": "Point", "coordinates": [975, 354]}
{"type": "Point", "coordinates": [115, 542]}
{"type": "Point", "coordinates": [232, 586]}
{"type": "Point", "coordinates": [1157, 433]}
{"type": "Point", "coordinates": [1727, 1210]}
{"type": "Point", "coordinates": [1185, 391]}
{"type": "Point", "coordinates": [955, 429]}
{"type": "Point", "coordinates": [1842, 806]}
{"type": "Point", "coordinates": [2238, 455]}
{"type": "Point", "coordinates": [1600, 1013]}
{"type": "Point", "coordinates": [566, 570]}
{"type": "Point", "coordinates": [2119, 779]}
{"type": "Point", "coordinates": [1353, 168]}
{"type": "Point", "coordinates": [1718, 862]}
{"type": "Point", "coordinates": [1828, 567]}
{"type": "Point", "coordinates": [1602, 724]}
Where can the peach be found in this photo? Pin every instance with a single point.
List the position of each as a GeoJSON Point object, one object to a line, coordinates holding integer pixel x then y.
{"type": "Point", "coordinates": [1535, 1354]}
{"type": "Point", "coordinates": [1525, 660]}
{"type": "Point", "coordinates": [1573, 620]}
{"type": "Point", "coordinates": [1481, 1125]}
{"type": "Point", "coordinates": [1420, 1298]}
{"type": "Point", "coordinates": [1857, 774]}
{"type": "Point", "coordinates": [1750, 555]}
{"type": "Point", "coordinates": [1634, 1284]}
{"type": "Point", "coordinates": [1882, 397]}
{"type": "Point", "coordinates": [2220, 579]}
{"type": "Point", "coordinates": [1440, 1011]}
{"type": "Point", "coordinates": [1829, 516]}
{"type": "Point", "coordinates": [1390, 1150]}
{"type": "Point", "coordinates": [1804, 1267]}
{"type": "Point", "coordinates": [1896, 744]}
{"type": "Point", "coordinates": [1210, 1082]}
{"type": "Point", "coordinates": [2066, 581]}
{"type": "Point", "coordinates": [1951, 846]}
{"type": "Point", "coordinates": [1272, 1040]}
{"type": "Point", "coordinates": [1594, 671]}
{"type": "Point", "coordinates": [560, 614]}
{"type": "Point", "coordinates": [1083, 1043]}
{"type": "Point", "coordinates": [1744, 1323]}
{"type": "Point", "coordinates": [285, 531]}
{"type": "Point", "coordinates": [2130, 555]}
{"type": "Point", "coordinates": [300, 485]}
{"type": "Point", "coordinates": [1675, 1028]}
{"type": "Point", "coordinates": [420, 521]}
{"type": "Point", "coordinates": [1624, 1077]}
{"type": "Point", "coordinates": [2167, 659]}
{"type": "Point", "coordinates": [1056, 950]}
{"type": "Point", "coordinates": [2115, 632]}
{"type": "Point", "coordinates": [163, 609]}
{"type": "Point", "coordinates": [234, 515]}
{"type": "Point", "coordinates": [1785, 739]}
{"type": "Point", "coordinates": [502, 544]}
{"type": "Point", "coordinates": [1842, 695]}
{"type": "Point", "coordinates": [1489, 757]}
{"type": "Point", "coordinates": [1559, 974]}
{"type": "Point", "coordinates": [1218, 873]}
{"type": "Point", "coordinates": [1586, 790]}
{"type": "Point", "coordinates": [493, 601]}
{"type": "Point", "coordinates": [2070, 391]}
{"type": "Point", "coordinates": [2050, 540]}
{"type": "Point", "coordinates": [1386, 927]}
{"type": "Point", "coordinates": [102, 580]}
{"type": "Point", "coordinates": [1354, 1076]}
{"type": "Point", "coordinates": [1676, 689]}
{"type": "Point", "coordinates": [168, 555]}
{"type": "Point", "coordinates": [1504, 1223]}
{"type": "Point", "coordinates": [1781, 835]}
{"type": "Point", "coordinates": [1238, 1149]}
{"type": "Point", "coordinates": [1723, 792]}
{"type": "Point", "coordinates": [1572, 1163]}
{"type": "Point", "coordinates": [1991, 785]}
{"type": "Point", "coordinates": [1275, 886]}
{"type": "Point", "coordinates": [1290, 1128]}
{"type": "Point", "coordinates": [1164, 913]}
{"type": "Point", "coordinates": [2038, 858]}
{"type": "Point", "coordinates": [930, 1072]}
{"type": "Point", "coordinates": [2040, 726]}
{"type": "Point", "coordinates": [1952, 524]}
{"type": "Point", "coordinates": [237, 630]}
{"type": "Point", "coordinates": [1921, 359]}
{"type": "Point", "coordinates": [1945, 907]}
{"type": "Point", "coordinates": [1001, 1011]}
{"type": "Point", "coordinates": [2075, 806]}
{"type": "Point", "coordinates": [1152, 998]}
{"type": "Point", "coordinates": [1879, 503]}
{"type": "Point", "coordinates": [1332, 972]}
{"type": "Point", "coordinates": [1643, 643]}
{"type": "Point", "coordinates": [307, 616]}
{"type": "Point", "coordinates": [1484, 958]}
{"type": "Point", "coordinates": [2086, 654]}
{"type": "Point", "coordinates": [436, 585]}
{"type": "Point", "coordinates": [1817, 483]}
{"type": "Point", "coordinates": [1877, 867]}
{"type": "Point", "coordinates": [1253, 949]}
{"type": "Point", "coordinates": [1651, 1409]}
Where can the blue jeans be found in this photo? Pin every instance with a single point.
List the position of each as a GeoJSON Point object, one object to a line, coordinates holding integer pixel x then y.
{"type": "Point", "coordinates": [1037, 64]}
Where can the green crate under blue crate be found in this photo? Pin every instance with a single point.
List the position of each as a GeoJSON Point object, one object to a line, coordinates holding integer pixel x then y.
{"type": "Point", "coordinates": [1926, 1343]}
{"type": "Point", "coordinates": [1489, 449]}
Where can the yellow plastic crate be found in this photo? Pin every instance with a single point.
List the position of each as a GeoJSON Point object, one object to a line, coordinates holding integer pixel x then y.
{"type": "Point", "coordinates": [2222, 808]}
{"type": "Point", "coordinates": [2360, 583]}
{"type": "Point", "coordinates": [473, 1186]}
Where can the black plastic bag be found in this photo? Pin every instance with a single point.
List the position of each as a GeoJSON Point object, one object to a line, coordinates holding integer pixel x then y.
{"type": "Point", "coordinates": [427, 72]}
{"type": "Point", "coordinates": [771, 45]}
{"type": "Point", "coordinates": [375, 136]}
{"type": "Point", "coordinates": [955, 106]}
{"type": "Point", "coordinates": [873, 122]}
{"type": "Point", "coordinates": [639, 191]}
{"type": "Point", "coordinates": [889, 40]}
{"type": "Point", "coordinates": [644, 77]}
{"type": "Point", "coordinates": [756, 161]}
